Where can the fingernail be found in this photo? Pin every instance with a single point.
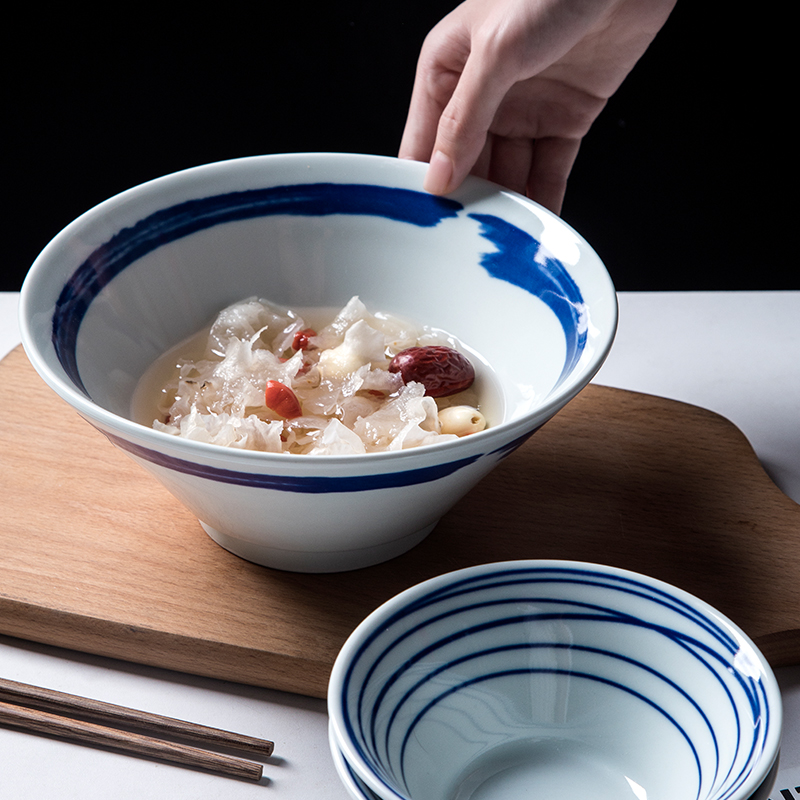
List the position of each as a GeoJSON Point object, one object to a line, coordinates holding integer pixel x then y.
{"type": "Point", "coordinates": [439, 174]}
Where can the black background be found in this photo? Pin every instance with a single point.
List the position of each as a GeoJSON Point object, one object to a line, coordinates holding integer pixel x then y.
{"type": "Point", "coordinates": [678, 185]}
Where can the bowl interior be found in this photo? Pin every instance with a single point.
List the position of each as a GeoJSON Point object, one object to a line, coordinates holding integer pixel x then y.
{"type": "Point", "coordinates": [141, 272]}
{"type": "Point", "coordinates": [558, 677]}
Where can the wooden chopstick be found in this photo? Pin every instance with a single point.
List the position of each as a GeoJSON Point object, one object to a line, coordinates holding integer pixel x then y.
{"type": "Point", "coordinates": [43, 711]}
{"type": "Point", "coordinates": [32, 719]}
{"type": "Point", "coordinates": [61, 703]}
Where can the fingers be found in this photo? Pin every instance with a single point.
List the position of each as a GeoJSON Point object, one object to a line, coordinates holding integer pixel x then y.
{"type": "Point", "coordinates": [424, 112]}
{"type": "Point", "coordinates": [551, 165]}
{"type": "Point", "coordinates": [463, 126]}
{"type": "Point", "coordinates": [536, 168]}
{"type": "Point", "coordinates": [511, 162]}
{"type": "Point", "coordinates": [464, 116]}
{"type": "Point", "coordinates": [468, 65]}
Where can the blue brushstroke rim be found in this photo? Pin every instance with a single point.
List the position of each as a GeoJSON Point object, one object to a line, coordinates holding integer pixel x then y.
{"type": "Point", "coordinates": [362, 733]}
{"type": "Point", "coordinates": [308, 484]}
{"type": "Point", "coordinates": [517, 259]}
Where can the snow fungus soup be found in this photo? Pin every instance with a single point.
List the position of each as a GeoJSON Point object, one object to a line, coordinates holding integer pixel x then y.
{"type": "Point", "coordinates": [268, 378]}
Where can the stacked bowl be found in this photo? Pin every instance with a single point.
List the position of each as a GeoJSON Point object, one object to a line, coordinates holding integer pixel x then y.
{"type": "Point", "coordinates": [550, 678]}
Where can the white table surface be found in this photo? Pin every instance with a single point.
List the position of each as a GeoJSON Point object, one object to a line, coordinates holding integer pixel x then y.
{"type": "Point", "coordinates": [736, 353]}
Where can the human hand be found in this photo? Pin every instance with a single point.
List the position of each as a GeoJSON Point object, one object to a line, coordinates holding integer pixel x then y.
{"type": "Point", "coordinates": [506, 89]}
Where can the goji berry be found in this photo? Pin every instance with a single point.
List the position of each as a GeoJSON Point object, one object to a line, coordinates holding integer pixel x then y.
{"type": "Point", "coordinates": [282, 400]}
{"type": "Point", "coordinates": [300, 341]}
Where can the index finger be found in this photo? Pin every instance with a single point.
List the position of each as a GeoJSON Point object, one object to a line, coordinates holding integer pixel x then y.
{"type": "Point", "coordinates": [464, 123]}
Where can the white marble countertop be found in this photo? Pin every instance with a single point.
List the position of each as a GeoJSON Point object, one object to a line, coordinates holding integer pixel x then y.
{"type": "Point", "coordinates": [735, 353]}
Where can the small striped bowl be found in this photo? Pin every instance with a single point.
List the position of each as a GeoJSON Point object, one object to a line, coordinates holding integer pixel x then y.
{"type": "Point", "coordinates": [556, 676]}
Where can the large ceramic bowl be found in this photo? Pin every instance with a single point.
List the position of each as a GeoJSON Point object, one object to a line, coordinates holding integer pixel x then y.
{"type": "Point", "coordinates": [552, 679]}
{"type": "Point", "coordinates": [139, 273]}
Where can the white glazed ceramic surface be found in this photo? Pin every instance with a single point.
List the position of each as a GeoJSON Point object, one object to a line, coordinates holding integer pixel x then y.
{"type": "Point", "coordinates": [144, 270]}
{"type": "Point", "coordinates": [496, 680]}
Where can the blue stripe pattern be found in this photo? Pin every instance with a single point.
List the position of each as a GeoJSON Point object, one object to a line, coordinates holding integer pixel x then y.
{"type": "Point", "coordinates": [304, 484]}
{"type": "Point", "coordinates": [358, 784]}
{"type": "Point", "coordinates": [380, 685]}
{"type": "Point", "coordinates": [307, 484]}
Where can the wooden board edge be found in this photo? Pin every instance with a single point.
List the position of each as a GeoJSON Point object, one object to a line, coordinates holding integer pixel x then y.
{"type": "Point", "coordinates": [140, 645]}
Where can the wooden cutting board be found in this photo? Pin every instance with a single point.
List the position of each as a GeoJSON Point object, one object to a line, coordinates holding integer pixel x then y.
{"type": "Point", "coordinates": [97, 557]}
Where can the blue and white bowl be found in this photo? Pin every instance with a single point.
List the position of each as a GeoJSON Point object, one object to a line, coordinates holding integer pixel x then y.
{"type": "Point", "coordinates": [553, 679]}
{"type": "Point", "coordinates": [142, 271]}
